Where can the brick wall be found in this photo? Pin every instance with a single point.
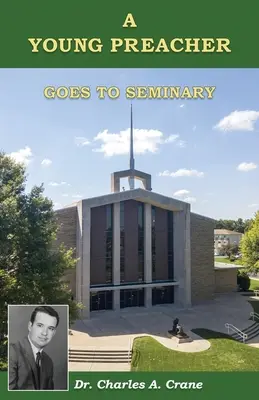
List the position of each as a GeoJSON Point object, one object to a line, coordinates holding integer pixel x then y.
{"type": "Point", "coordinates": [202, 258]}
{"type": "Point", "coordinates": [67, 228]}
{"type": "Point", "coordinates": [225, 280]}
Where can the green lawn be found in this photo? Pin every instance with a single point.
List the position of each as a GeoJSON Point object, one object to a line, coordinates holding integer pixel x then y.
{"type": "Point", "coordinates": [254, 284]}
{"type": "Point", "coordinates": [227, 261]}
{"type": "Point", "coordinates": [225, 354]}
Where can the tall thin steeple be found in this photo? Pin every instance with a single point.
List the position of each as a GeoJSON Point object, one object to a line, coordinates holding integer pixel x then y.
{"type": "Point", "coordinates": [131, 174]}
{"type": "Point", "coordinates": [132, 161]}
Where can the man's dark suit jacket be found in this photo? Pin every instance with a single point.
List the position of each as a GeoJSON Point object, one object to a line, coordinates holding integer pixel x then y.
{"type": "Point", "coordinates": [23, 371]}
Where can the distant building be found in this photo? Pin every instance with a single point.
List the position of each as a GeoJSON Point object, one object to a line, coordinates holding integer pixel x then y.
{"type": "Point", "coordinates": [224, 237]}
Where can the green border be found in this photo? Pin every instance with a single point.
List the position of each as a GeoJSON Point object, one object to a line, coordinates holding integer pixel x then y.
{"type": "Point", "coordinates": [237, 385]}
{"type": "Point", "coordinates": [166, 19]}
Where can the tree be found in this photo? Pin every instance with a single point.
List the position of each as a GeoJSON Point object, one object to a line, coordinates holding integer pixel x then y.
{"type": "Point", "coordinates": [30, 268]}
{"type": "Point", "coordinates": [250, 246]}
{"type": "Point", "coordinates": [230, 250]}
{"type": "Point", "coordinates": [238, 225]}
{"type": "Point", "coordinates": [243, 280]}
{"type": "Point", "coordinates": [225, 224]}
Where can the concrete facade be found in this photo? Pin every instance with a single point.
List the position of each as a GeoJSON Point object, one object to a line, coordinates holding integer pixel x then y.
{"type": "Point", "coordinates": [202, 270]}
{"type": "Point", "coordinates": [83, 226]}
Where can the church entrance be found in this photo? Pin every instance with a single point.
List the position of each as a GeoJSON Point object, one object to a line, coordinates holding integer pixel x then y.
{"type": "Point", "coordinates": [101, 300]}
{"type": "Point", "coordinates": [163, 295]}
{"type": "Point", "coordinates": [132, 298]}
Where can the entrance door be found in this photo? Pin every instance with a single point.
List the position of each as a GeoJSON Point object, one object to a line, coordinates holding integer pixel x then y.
{"type": "Point", "coordinates": [94, 302]}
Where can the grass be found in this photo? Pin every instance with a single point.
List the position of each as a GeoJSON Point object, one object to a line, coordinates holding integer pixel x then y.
{"type": "Point", "coordinates": [227, 261]}
{"type": "Point", "coordinates": [254, 284]}
{"type": "Point", "coordinates": [225, 354]}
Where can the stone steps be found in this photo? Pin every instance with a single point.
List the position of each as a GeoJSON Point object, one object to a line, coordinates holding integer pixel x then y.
{"type": "Point", "coordinates": [100, 356]}
{"type": "Point", "coordinates": [252, 331]}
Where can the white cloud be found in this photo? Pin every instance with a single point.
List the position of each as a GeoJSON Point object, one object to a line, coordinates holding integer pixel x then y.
{"type": "Point", "coordinates": [190, 200]}
{"type": "Point", "coordinates": [22, 156]}
{"type": "Point", "coordinates": [46, 162]}
{"type": "Point", "coordinates": [194, 128]}
{"type": "Point", "coordinates": [253, 205]}
{"type": "Point", "coordinates": [145, 140]}
{"type": "Point", "coordinates": [239, 121]}
{"type": "Point", "coordinates": [246, 167]}
{"type": "Point", "coordinates": [77, 196]}
{"type": "Point", "coordinates": [182, 105]}
{"type": "Point", "coordinates": [171, 138]}
{"type": "Point", "coordinates": [59, 184]}
{"type": "Point", "coordinates": [181, 143]}
{"type": "Point", "coordinates": [181, 192]}
{"type": "Point", "coordinates": [81, 141]}
{"type": "Point", "coordinates": [182, 172]}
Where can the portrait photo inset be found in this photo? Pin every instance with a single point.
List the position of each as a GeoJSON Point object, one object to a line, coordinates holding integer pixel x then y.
{"type": "Point", "coordinates": [38, 347]}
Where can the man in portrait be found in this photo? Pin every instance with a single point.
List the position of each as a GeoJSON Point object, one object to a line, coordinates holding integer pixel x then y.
{"type": "Point", "coordinates": [30, 368]}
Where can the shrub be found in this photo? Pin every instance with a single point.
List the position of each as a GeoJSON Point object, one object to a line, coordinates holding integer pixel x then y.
{"type": "Point", "coordinates": [243, 281]}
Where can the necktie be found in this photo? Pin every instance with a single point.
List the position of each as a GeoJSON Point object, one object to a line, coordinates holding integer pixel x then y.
{"type": "Point", "coordinates": [38, 365]}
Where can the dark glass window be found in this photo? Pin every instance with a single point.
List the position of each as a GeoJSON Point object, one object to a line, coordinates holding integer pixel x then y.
{"type": "Point", "coordinates": [141, 245]}
{"type": "Point", "coordinates": [170, 244]}
{"type": "Point", "coordinates": [131, 298]}
{"type": "Point", "coordinates": [109, 242]}
{"type": "Point", "coordinates": [153, 211]}
{"type": "Point", "coordinates": [109, 210]}
{"type": "Point", "coordinates": [101, 300]}
{"type": "Point", "coordinates": [163, 295]}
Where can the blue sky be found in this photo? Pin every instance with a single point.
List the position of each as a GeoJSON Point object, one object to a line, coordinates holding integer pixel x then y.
{"type": "Point", "coordinates": [205, 152]}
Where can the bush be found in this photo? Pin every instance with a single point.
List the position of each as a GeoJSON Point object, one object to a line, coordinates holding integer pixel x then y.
{"type": "Point", "coordinates": [243, 281]}
{"type": "Point", "coordinates": [232, 258]}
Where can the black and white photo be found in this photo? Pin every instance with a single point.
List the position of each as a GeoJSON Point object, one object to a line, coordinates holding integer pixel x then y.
{"type": "Point", "coordinates": [38, 347]}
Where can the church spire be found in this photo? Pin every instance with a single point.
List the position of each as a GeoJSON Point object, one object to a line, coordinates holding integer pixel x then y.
{"type": "Point", "coordinates": [131, 174]}
{"type": "Point", "coordinates": [132, 161]}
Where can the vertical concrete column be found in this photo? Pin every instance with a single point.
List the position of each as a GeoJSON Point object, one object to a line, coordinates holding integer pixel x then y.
{"type": "Point", "coordinates": [187, 258]}
{"type": "Point", "coordinates": [79, 248]}
{"type": "Point", "coordinates": [115, 183]}
{"type": "Point", "coordinates": [86, 259]}
{"type": "Point", "coordinates": [182, 265]}
{"type": "Point", "coordinates": [148, 252]}
{"type": "Point", "coordinates": [116, 255]}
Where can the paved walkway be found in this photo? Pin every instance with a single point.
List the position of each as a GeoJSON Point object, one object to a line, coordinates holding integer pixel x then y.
{"type": "Point", "coordinates": [110, 331]}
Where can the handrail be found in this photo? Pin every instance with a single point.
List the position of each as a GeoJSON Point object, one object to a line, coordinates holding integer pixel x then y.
{"type": "Point", "coordinates": [243, 335]}
{"type": "Point", "coordinates": [254, 315]}
{"type": "Point", "coordinates": [129, 352]}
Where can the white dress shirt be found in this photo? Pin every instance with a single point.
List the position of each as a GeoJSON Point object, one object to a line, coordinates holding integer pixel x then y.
{"type": "Point", "coordinates": [35, 350]}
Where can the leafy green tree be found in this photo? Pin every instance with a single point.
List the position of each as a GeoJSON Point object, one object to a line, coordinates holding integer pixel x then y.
{"type": "Point", "coordinates": [230, 250]}
{"type": "Point", "coordinates": [243, 280]}
{"type": "Point", "coordinates": [250, 246]}
{"type": "Point", "coordinates": [31, 269]}
{"type": "Point", "coordinates": [238, 225]}
{"type": "Point", "coordinates": [225, 224]}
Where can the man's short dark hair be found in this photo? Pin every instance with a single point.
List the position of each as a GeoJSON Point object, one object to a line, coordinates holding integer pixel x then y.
{"type": "Point", "coordinates": [44, 309]}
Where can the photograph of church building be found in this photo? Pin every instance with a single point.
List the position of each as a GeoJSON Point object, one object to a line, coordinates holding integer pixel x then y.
{"type": "Point", "coordinates": [138, 248]}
